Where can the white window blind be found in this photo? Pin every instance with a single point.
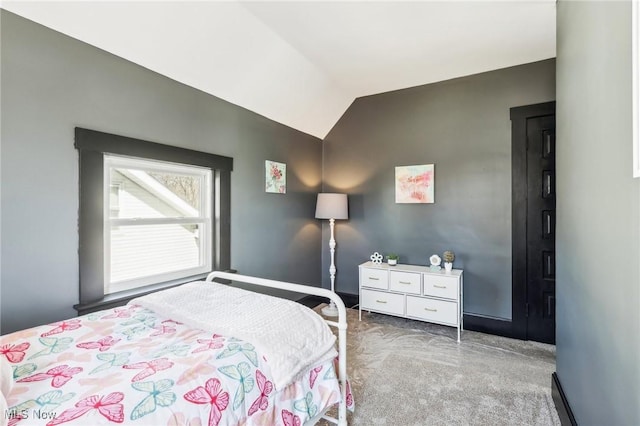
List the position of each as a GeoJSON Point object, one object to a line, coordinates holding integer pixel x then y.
{"type": "Point", "coordinates": [157, 222]}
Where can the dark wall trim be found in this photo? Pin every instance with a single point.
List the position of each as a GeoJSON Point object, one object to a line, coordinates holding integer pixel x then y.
{"type": "Point", "coordinates": [222, 194]}
{"type": "Point", "coordinates": [519, 116]}
{"type": "Point", "coordinates": [489, 325]}
{"type": "Point", "coordinates": [123, 297]}
{"type": "Point", "coordinates": [92, 146]}
{"type": "Point", "coordinates": [90, 223]}
{"type": "Point", "coordinates": [91, 140]}
{"type": "Point", "coordinates": [561, 402]}
{"type": "Point", "coordinates": [117, 299]}
{"type": "Point", "coordinates": [311, 301]}
{"type": "Point", "coordinates": [350, 300]}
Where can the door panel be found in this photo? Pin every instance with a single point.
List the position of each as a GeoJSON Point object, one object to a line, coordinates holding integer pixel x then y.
{"type": "Point", "coordinates": [548, 224]}
{"type": "Point", "coordinates": [540, 246]}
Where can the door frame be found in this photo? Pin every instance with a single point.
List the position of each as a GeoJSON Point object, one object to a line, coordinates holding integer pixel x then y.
{"type": "Point", "coordinates": [519, 116]}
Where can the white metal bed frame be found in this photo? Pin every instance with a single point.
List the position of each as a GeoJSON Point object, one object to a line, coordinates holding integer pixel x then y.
{"type": "Point", "coordinates": [341, 325]}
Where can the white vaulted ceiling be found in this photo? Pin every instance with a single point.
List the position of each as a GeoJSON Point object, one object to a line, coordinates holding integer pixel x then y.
{"type": "Point", "coordinates": [303, 63]}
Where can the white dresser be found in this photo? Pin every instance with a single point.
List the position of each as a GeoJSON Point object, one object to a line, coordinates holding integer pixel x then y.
{"type": "Point", "coordinates": [412, 291]}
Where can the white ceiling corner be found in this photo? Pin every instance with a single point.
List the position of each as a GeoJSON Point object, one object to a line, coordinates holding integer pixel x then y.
{"type": "Point", "coordinates": [303, 63]}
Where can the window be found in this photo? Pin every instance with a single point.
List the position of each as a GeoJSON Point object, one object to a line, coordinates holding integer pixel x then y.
{"type": "Point", "coordinates": [151, 216]}
{"type": "Point", "coordinates": [158, 225]}
{"type": "Point", "coordinates": [114, 199]}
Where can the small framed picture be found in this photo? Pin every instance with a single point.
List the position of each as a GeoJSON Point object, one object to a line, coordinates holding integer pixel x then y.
{"type": "Point", "coordinates": [414, 184]}
{"type": "Point", "coordinates": [275, 177]}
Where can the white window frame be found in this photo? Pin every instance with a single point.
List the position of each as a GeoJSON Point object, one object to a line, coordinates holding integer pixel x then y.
{"type": "Point", "coordinates": [203, 220]}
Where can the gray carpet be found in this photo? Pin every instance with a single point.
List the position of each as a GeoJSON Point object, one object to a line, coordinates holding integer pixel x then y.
{"type": "Point", "coordinates": [406, 372]}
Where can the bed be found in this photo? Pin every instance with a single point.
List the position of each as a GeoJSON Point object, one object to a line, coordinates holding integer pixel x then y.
{"type": "Point", "coordinates": [203, 353]}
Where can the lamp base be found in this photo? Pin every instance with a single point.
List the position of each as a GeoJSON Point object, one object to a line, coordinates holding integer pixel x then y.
{"type": "Point", "coordinates": [330, 311]}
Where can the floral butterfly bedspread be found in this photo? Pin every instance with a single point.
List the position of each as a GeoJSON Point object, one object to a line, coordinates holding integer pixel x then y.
{"type": "Point", "coordinates": [128, 365]}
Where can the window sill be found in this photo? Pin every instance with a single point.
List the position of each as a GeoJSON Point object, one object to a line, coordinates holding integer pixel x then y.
{"type": "Point", "coordinates": [121, 298]}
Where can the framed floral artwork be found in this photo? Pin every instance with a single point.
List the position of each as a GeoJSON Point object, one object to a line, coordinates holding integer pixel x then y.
{"type": "Point", "coordinates": [275, 177]}
{"type": "Point", "coordinates": [414, 184]}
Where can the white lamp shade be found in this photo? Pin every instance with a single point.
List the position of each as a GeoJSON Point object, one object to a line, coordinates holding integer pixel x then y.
{"type": "Point", "coordinates": [332, 206]}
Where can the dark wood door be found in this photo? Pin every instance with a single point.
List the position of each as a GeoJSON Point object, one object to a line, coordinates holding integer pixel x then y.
{"type": "Point", "coordinates": [541, 220]}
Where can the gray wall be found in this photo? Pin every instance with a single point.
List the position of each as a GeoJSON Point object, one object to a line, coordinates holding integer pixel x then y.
{"type": "Point", "coordinates": [598, 224]}
{"type": "Point", "coordinates": [463, 127]}
{"type": "Point", "coordinates": [52, 83]}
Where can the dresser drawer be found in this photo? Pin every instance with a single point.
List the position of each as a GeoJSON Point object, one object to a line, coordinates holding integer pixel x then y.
{"type": "Point", "coordinates": [375, 278]}
{"type": "Point", "coordinates": [404, 282]}
{"type": "Point", "coordinates": [440, 311]}
{"type": "Point", "coordinates": [380, 301]}
{"type": "Point", "coordinates": [440, 286]}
